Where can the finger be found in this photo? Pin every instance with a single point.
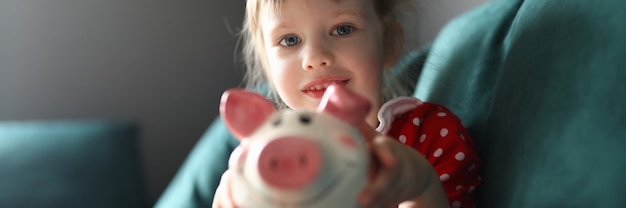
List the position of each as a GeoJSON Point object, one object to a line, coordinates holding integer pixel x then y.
{"type": "Point", "coordinates": [218, 198]}
{"type": "Point", "coordinates": [221, 199]}
{"type": "Point", "coordinates": [238, 154]}
{"type": "Point", "coordinates": [376, 193]}
{"type": "Point", "coordinates": [225, 191]}
{"type": "Point", "coordinates": [407, 204]}
{"type": "Point", "coordinates": [412, 168]}
{"type": "Point", "coordinates": [244, 142]}
{"type": "Point", "coordinates": [381, 147]}
{"type": "Point", "coordinates": [368, 132]}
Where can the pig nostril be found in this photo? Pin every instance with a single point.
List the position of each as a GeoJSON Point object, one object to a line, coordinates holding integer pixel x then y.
{"type": "Point", "coordinates": [273, 164]}
{"type": "Point", "coordinates": [302, 160]}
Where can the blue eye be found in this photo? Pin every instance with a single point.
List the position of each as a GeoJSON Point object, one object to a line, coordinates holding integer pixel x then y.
{"type": "Point", "coordinates": [342, 30]}
{"type": "Point", "coordinates": [290, 40]}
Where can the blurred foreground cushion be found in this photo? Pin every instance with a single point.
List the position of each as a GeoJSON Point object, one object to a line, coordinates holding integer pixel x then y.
{"type": "Point", "coordinates": [70, 164]}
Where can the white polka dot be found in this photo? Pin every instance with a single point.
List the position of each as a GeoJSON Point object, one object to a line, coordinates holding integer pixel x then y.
{"type": "Point", "coordinates": [456, 204]}
{"type": "Point", "coordinates": [422, 138]}
{"type": "Point", "coordinates": [442, 114]}
{"type": "Point", "coordinates": [459, 156]}
{"type": "Point", "coordinates": [402, 139]}
{"type": "Point", "coordinates": [444, 177]}
{"type": "Point", "coordinates": [416, 121]}
{"type": "Point", "coordinates": [438, 152]}
{"type": "Point", "coordinates": [443, 132]}
{"type": "Point", "coordinates": [472, 167]}
{"type": "Point", "coordinates": [459, 187]}
{"type": "Point", "coordinates": [471, 189]}
{"type": "Point", "coordinates": [462, 137]}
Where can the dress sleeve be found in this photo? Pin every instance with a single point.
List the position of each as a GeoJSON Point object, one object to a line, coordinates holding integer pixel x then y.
{"type": "Point", "coordinates": [440, 136]}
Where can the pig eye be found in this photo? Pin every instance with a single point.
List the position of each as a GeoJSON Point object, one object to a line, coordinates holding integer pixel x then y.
{"type": "Point", "coordinates": [277, 122]}
{"type": "Point", "coordinates": [305, 119]}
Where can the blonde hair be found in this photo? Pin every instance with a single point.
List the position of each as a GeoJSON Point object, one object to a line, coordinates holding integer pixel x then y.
{"type": "Point", "coordinates": [396, 15]}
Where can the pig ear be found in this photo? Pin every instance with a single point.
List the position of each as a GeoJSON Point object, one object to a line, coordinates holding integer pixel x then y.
{"type": "Point", "coordinates": [344, 104]}
{"type": "Point", "coordinates": [244, 111]}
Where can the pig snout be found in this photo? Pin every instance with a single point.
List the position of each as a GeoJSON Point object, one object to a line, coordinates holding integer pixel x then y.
{"type": "Point", "coordinates": [290, 163]}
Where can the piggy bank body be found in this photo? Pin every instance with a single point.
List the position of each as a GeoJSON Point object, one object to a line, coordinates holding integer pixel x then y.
{"type": "Point", "coordinates": [296, 158]}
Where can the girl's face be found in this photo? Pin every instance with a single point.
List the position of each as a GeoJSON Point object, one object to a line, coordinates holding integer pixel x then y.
{"type": "Point", "coordinates": [311, 44]}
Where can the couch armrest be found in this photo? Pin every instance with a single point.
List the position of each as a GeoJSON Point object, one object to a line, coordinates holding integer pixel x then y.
{"type": "Point", "coordinates": [70, 163]}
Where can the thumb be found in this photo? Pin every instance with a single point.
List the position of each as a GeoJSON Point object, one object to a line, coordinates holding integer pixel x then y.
{"type": "Point", "coordinates": [368, 132]}
{"type": "Point", "coordinates": [223, 196]}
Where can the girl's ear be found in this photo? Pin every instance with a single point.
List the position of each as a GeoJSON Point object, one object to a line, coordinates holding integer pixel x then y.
{"type": "Point", "coordinates": [393, 35]}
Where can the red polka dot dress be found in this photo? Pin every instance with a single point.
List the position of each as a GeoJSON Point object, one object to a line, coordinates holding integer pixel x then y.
{"type": "Point", "coordinates": [440, 136]}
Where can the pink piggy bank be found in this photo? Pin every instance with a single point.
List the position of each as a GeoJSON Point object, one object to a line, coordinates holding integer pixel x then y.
{"type": "Point", "coordinates": [297, 158]}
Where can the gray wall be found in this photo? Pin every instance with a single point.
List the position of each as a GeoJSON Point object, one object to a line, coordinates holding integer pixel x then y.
{"type": "Point", "coordinates": [163, 63]}
{"type": "Point", "coordinates": [435, 13]}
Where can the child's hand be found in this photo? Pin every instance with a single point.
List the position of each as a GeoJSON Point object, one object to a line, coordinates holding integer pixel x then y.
{"type": "Point", "coordinates": [223, 197]}
{"type": "Point", "coordinates": [399, 174]}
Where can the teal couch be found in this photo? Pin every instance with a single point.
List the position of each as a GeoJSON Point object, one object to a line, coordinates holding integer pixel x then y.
{"type": "Point", "coordinates": [541, 86]}
{"type": "Point", "coordinates": [70, 163]}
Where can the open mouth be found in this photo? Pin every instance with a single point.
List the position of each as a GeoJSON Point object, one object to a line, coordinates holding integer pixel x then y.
{"type": "Point", "coordinates": [316, 89]}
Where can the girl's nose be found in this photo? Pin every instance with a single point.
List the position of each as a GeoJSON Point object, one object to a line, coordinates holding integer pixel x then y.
{"type": "Point", "coordinates": [317, 57]}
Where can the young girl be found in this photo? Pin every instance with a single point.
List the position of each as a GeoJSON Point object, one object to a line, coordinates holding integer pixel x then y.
{"type": "Point", "coordinates": [299, 47]}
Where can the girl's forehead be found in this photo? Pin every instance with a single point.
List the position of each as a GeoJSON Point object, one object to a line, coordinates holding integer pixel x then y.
{"type": "Point", "coordinates": [279, 7]}
{"type": "Point", "coordinates": [287, 10]}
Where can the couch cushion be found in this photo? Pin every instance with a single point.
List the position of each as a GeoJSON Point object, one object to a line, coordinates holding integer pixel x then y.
{"type": "Point", "coordinates": [69, 164]}
{"type": "Point", "coordinates": [541, 87]}
{"type": "Point", "coordinates": [196, 181]}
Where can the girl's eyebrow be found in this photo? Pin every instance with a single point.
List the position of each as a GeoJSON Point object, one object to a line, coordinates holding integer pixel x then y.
{"type": "Point", "coordinates": [347, 12]}
{"type": "Point", "coordinates": [276, 25]}
{"type": "Point", "coordinates": [275, 29]}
